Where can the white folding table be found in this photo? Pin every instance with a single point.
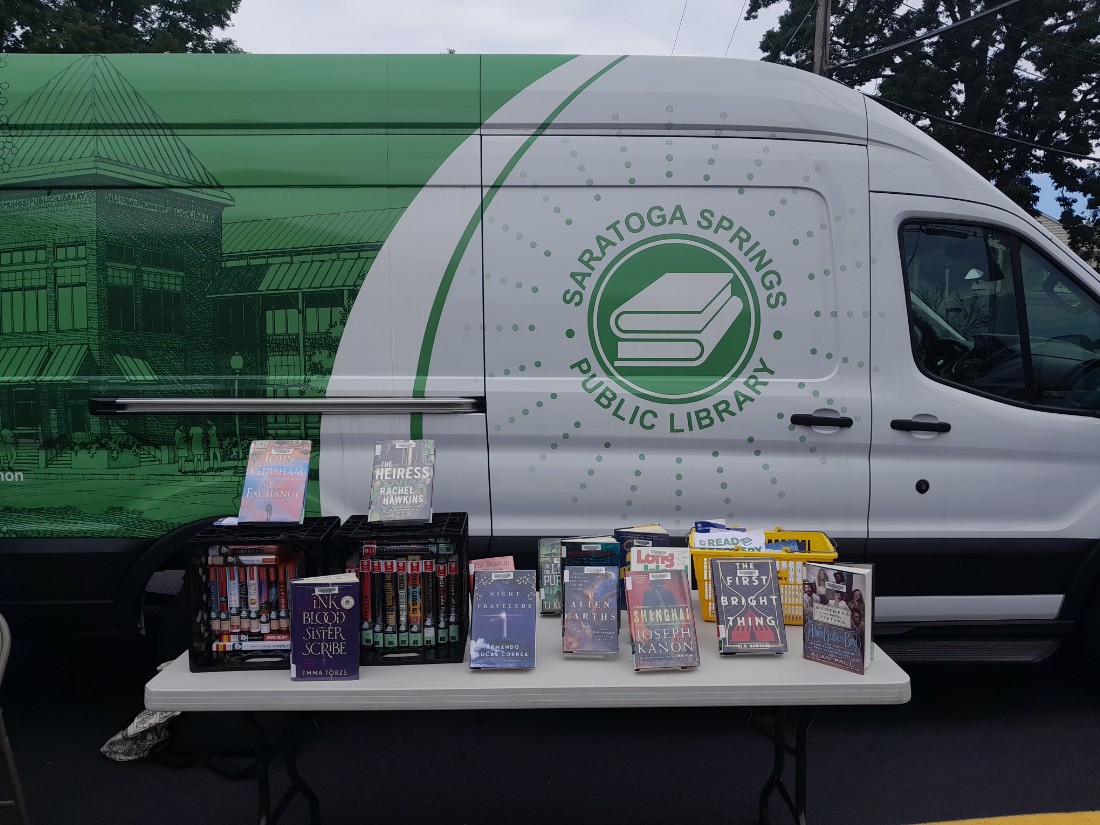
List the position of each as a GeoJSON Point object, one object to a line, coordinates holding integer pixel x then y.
{"type": "Point", "coordinates": [778, 687]}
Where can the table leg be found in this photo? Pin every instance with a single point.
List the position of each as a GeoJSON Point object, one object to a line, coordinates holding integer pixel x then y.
{"type": "Point", "coordinates": [263, 763]}
{"type": "Point", "coordinates": [777, 733]}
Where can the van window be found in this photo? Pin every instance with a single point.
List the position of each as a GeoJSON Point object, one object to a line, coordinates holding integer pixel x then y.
{"type": "Point", "coordinates": [989, 313]}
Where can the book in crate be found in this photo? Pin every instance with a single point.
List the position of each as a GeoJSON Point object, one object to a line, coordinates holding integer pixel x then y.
{"type": "Point", "coordinates": [413, 586]}
{"type": "Point", "coordinates": [237, 585]}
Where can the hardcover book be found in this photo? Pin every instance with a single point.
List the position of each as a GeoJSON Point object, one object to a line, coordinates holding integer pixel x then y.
{"type": "Point", "coordinates": [550, 576]}
{"type": "Point", "coordinates": [646, 535]}
{"type": "Point", "coordinates": [590, 610]}
{"type": "Point", "coordinates": [748, 606]}
{"type": "Point", "coordinates": [502, 619]}
{"type": "Point", "coordinates": [838, 604]}
{"type": "Point", "coordinates": [275, 482]}
{"type": "Point", "coordinates": [324, 628]}
{"type": "Point", "coordinates": [401, 482]}
{"type": "Point", "coordinates": [662, 623]}
{"type": "Point", "coordinates": [489, 564]}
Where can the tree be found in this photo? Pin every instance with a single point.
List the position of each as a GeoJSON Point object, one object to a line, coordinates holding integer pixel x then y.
{"type": "Point", "coordinates": [1031, 72]}
{"type": "Point", "coordinates": [110, 26]}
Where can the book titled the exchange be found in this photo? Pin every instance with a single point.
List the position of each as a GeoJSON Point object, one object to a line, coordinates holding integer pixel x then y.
{"type": "Point", "coordinates": [502, 619]}
{"type": "Point", "coordinates": [401, 482]}
{"type": "Point", "coordinates": [324, 628]}
{"type": "Point", "coordinates": [275, 482]}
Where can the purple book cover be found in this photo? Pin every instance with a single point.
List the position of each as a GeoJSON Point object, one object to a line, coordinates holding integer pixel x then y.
{"type": "Point", "coordinates": [324, 628]}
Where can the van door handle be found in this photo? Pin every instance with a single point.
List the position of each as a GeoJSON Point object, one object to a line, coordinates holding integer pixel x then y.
{"type": "Point", "coordinates": [809, 420]}
{"type": "Point", "coordinates": [910, 426]}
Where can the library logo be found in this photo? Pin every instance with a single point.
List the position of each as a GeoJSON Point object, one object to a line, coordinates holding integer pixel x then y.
{"type": "Point", "coordinates": [673, 319]}
{"type": "Point", "coordinates": [672, 304]}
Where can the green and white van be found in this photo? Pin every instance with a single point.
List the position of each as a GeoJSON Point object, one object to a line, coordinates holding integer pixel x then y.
{"type": "Point", "coordinates": [614, 290]}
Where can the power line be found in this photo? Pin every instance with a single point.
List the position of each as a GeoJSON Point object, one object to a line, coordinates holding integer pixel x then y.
{"type": "Point", "coordinates": [676, 39]}
{"type": "Point", "coordinates": [913, 40]}
{"type": "Point", "coordinates": [809, 11]}
{"type": "Point", "coordinates": [985, 132]}
{"type": "Point", "coordinates": [736, 23]}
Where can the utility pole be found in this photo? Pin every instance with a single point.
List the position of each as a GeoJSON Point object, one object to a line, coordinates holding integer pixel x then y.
{"type": "Point", "coordinates": [822, 36]}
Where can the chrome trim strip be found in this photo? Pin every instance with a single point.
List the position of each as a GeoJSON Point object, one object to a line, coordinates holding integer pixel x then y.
{"type": "Point", "coordinates": [328, 405]}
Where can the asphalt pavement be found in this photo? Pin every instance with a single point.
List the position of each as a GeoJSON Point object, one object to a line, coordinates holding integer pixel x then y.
{"type": "Point", "coordinates": [972, 742]}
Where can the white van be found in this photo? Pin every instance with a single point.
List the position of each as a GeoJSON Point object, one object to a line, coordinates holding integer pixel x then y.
{"type": "Point", "coordinates": [614, 290]}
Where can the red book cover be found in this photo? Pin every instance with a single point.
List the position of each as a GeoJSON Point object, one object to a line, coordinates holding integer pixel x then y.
{"type": "Point", "coordinates": [662, 623]}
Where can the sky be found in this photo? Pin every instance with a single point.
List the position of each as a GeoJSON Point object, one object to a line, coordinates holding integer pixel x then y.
{"type": "Point", "coordinates": [702, 28]}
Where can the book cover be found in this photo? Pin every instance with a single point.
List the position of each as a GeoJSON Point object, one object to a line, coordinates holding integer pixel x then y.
{"type": "Point", "coordinates": [838, 604]}
{"type": "Point", "coordinates": [324, 628]}
{"type": "Point", "coordinates": [662, 622]}
{"type": "Point", "coordinates": [676, 320]}
{"type": "Point", "coordinates": [275, 482]}
{"type": "Point", "coordinates": [645, 535]}
{"type": "Point", "coordinates": [748, 606]}
{"type": "Point", "coordinates": [401, 482]}
{"type": "Point", "coordinates": [502, 619]}
{"type": "Point", "coordinates": [550, 576]}
{"type": "Point", "coordinates": [489, 564]}
{"type": "Point", "coordinates": [590, 610]}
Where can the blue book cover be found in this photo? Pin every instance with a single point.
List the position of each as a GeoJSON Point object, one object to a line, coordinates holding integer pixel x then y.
{"type": "Point", "coordinates": [590, 610]}
{"type": "Point", "coordinates": [837, 615]}
{"type": "Point", "coordinates": [502, 619]}
{"type": "Point", "coordinates": [324, 628]}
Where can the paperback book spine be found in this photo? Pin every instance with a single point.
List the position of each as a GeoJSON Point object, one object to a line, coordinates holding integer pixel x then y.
{"type": "Point", "coordinates": [428, 591]}
{"type": "Point", "coordinates": [416, 604]}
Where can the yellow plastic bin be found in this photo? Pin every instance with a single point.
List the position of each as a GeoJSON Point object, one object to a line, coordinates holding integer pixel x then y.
{"type": "Point", "coordinates": [789, 567]}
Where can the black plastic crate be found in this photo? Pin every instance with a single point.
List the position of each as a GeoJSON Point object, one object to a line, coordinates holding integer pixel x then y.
{"type": "Point", "coordinates": [446, 537]}
{"type": "Point", "coordinates": [306, 541]}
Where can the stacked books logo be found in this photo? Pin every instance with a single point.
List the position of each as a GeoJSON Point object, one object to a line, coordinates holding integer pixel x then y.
{"type": "Point", "coordinates": [674, 319]}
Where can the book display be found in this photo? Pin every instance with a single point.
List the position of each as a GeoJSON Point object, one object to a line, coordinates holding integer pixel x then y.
{"type": "Point", "coordinates": [746, 599]}
{"type": "Point", "coordinates": [662, 623]}
{"type": "Point", "coordinates": [502, 620]}
{"type": "Point", "coordinates": [324, 628]}
{"type": "Point", "coordinates": [415, 584]}
{"type": "Point", "coordinates": [238, 584]}
{"type": "Point", "coordinates": [275, 481]}
{"type": "Point", "coordinates": [402, 482]}
{"type": "Point", "coordinates": [838, 603]}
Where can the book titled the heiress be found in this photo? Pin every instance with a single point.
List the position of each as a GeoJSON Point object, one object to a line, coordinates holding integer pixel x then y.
{"type": "Point", "coordinates": [324, 628]}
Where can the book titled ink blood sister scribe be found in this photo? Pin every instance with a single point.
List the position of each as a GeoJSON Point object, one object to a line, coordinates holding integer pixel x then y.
{"type": "Point", "coordinates": [324, 628]}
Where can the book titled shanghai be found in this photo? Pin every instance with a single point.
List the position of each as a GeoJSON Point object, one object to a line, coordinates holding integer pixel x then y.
{"type": "Point", "coordinates": [324, 628]}
{"type": "Point", "coordinates": [837, 604]}
{"type": "Point", "coordinates": [275, 482]}
{"type": "Point", "coordinates": [401, 482]}
{"type": "Point", "coordinates": [502, 619]}
{"type": "Point", "coordinates": [662, 624]}
{"type": "Point", "coordinates": [748, 606]}
{"type": "Point", "coordinates": [590, 610]}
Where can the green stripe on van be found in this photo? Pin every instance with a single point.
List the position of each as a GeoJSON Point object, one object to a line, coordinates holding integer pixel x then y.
{"type": "Point", "coordinates": [416, 420]}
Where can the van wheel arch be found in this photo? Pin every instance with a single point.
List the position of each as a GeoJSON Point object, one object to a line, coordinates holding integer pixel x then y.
{"type": "Point", "coordinates": [130, 600]}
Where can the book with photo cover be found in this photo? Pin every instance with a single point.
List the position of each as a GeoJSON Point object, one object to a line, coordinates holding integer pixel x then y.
{"type": "Point", "coordinates": [590, 610]}
{"type": "Point", "coordinates": [748, 606]}
{"type": "Point", "coordinates": [402, 481]}
{"type": "Point", "coordinates": [838, 606]}
{"type": "Point", "coordinates": [275, 481]}
{"type": "Point", "coordinates": [324, 628]}
{"type": "Point", "coordinates": [662, 623]}
{"type": "Point", "coordinates": [502, 619]}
